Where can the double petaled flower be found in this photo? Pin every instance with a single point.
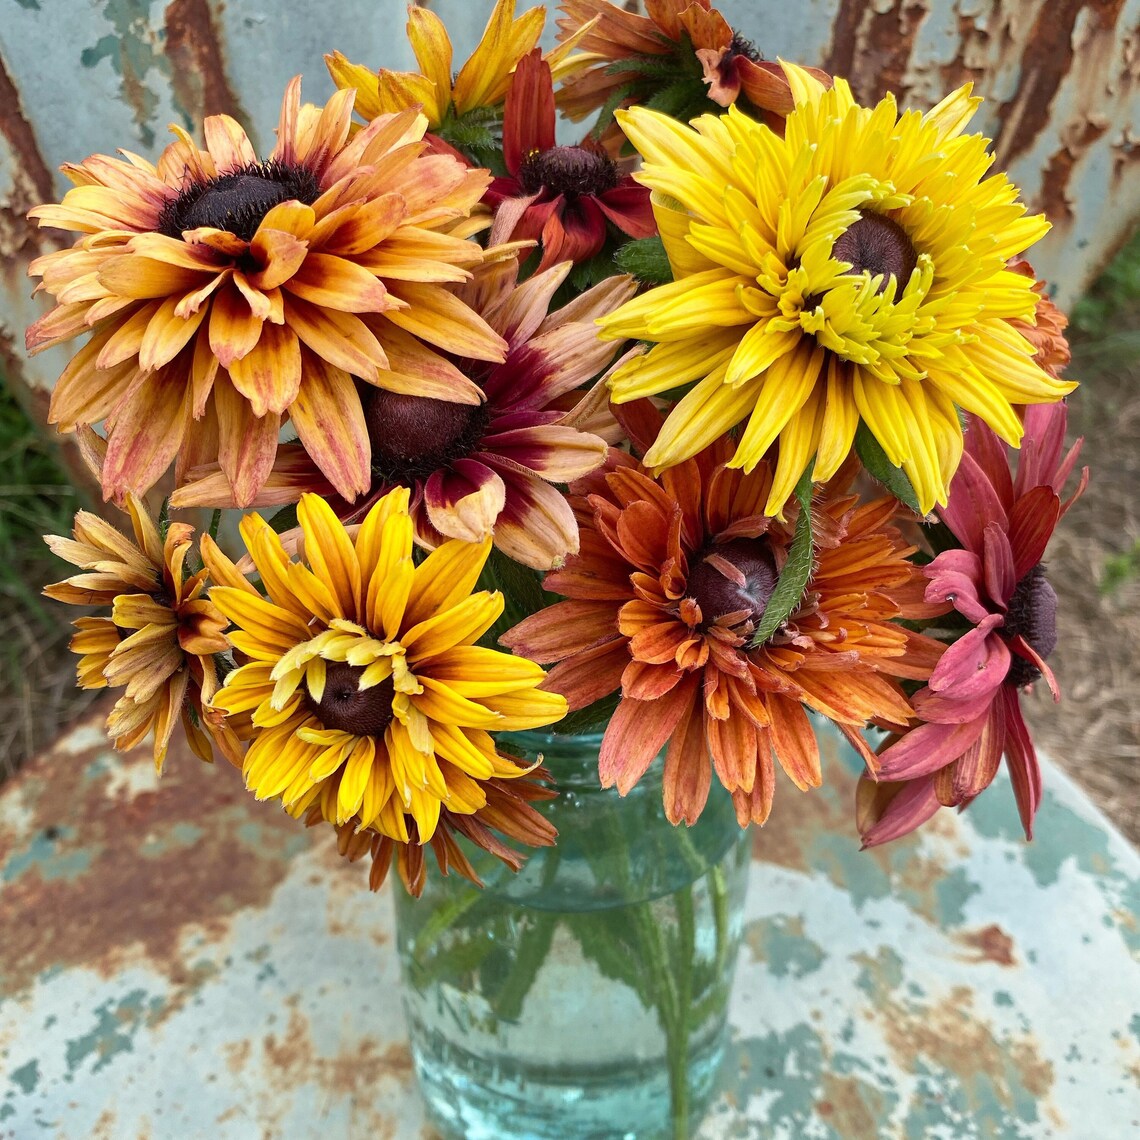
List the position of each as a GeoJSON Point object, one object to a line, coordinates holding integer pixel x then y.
{"type": "Point", "coordinates": [971, 706]}
{"type": "Point", "coordinates": [158, 642]}
{"type": "Point", "coordinates": [853, 269]}
{"type": "Point", "coordinates": [672, 580]}
{"type": "Point", "coordinates": [476, 470]}
{"type": "Point", "coordinates": [364, 696]}
{"type": "Point", "coordinates": [225, 293]}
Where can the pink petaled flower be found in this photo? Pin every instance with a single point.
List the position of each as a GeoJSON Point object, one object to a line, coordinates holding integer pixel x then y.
{"type": "Point", "coordinates": [971, 705]}
{"type": "Point", "coordinates": [560, 195]}
{"type": "Point", "coordinates": [482, 469]}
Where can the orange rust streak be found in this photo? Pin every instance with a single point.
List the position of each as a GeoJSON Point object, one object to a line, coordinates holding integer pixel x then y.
{"type": "Point", "coordinates": [198, 73]}
{"type": "Point", "coordinates": [1045, 63]}
{"type": "Point", "coordinates": [130, 902]}
{"type": "Point", "coordinates": [872, 50]}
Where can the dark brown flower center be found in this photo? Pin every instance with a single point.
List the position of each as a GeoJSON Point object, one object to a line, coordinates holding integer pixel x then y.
{"type": "Point", "coordinates": [412, 436]}
{"type": "Point", "coordinates": [733, 576]}
{"type": "Point", "coordinates": [742, 47]}
{"type": "Point", "coordinates": [875, 244]}
{"type": "Point", "coordinates": [1032, 613]}
{"type": "Point", "coordinates": [347, 707]}
{"type": "Point", "coordinates": [569, 170]}
{"type": "Point", "coordinates": [238, 201]}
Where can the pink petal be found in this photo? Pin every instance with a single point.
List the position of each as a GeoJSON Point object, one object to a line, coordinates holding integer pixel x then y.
{"type": "Point", "coordinates": [1031, 525]}
{"type": "Point", "coordinates": [558, 454]}
{"type": "Point", "coordinates": [1021, 758]}
{"type": "Point", "coordinates": [464, 500]}
{"type": "Point", "coordinates": [629, 209]}
{"type": "Point", "coordinates": [1041, 446]}
{"type": "Point", "coordinates": [976, 663]}
{"type": "Point", "coordinates": [912, 807]}
{"type": "Point", "coordinates": [973, 503]}
{"type": "Point", "coordinates": [998, 562]}
{"type": "Point", "coordinates": [935, 708]}
{"type": "Point", "coordinates": [978, 765]}
{"type": "Point", "coordinates": [1023, 649]}
{"type": "Point", "coordinates": [992, 456]}
{"type": "Point", "coordinates": [927, 748]}
{"type": "Point", "coordinates": [950, 583]}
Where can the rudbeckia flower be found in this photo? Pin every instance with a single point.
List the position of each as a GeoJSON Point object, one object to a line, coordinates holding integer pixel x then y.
{"type": "Point", "coordinates": [443, 96]}
{"type": "Point", "coordinates": [681, 52]}
{"type": "Point", "coordinates": [479, 470]}
{"type": "Point", "coordinates": [673, 577]}
{"type": "Point", "coordinates": [225, 293]}
{"type": "Point", "coordinates": [969, 713]}
{"type": "Point", "coordinates": [158, 641]}
{"type": "Point", "coordinates": [363, 693]}
{"type": "Point", "coordinates": [562, 196]}
{"type": "Point", "coordinates": [854, 269]}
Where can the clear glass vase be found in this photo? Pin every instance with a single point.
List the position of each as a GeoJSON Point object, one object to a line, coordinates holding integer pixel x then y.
{"type": "Point", "coordinates": [587, 995]}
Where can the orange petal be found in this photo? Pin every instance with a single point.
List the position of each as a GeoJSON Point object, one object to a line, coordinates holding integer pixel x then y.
{"type": "Point", "coordinates": [234, 330]}
{"type": "Point", "coordinates": [270, 375]}
{"type": "Point", "coordinates": [329, 421]}
{"type": "Point", "coordinates": [279, 253]}
{"type": "Point", "coordinates": [339, 284]}
{"type": "Point", "coordinates": [148, 429]}
{"type": "Point", "coordinates": [228, 143]}
{"type": "Point", "coordinates": [247, 443]}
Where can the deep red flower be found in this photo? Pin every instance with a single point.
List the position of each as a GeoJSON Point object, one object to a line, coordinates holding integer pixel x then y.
{"type": "Point", "coordinates": [970, 708]}
{"type": "Point", "coordinates": [562, 196]}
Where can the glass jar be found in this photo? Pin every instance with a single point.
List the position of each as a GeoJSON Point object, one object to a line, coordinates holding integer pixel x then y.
{"type": "Point", "coordinates": [587, 995]}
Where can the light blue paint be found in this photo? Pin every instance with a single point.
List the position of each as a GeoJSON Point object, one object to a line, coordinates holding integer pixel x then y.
{"type": "Point", "coordinates": [44, 855]}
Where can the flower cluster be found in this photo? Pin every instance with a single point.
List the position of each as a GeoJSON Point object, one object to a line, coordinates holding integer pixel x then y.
{"type": "Point", "coordinates": [715, 413]}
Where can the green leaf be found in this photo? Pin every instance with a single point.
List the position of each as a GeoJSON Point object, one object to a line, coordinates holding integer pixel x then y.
{"type": "Point", "coordinates": [683, 99]}
{"type": "Point", "coordinates": [285, 519]}
{"type": "Point", "coordinates": [593, 718]}
{"type": "Point", "coordinates": [646, 260]}
{"type": "Point", "coordinates": [879, 467]}
{"type": "Point", "coordinates": [797, 570]}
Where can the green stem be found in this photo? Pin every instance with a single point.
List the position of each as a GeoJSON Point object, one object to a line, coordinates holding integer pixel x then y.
{"type": "Point", "coordinates": [678, 1040]}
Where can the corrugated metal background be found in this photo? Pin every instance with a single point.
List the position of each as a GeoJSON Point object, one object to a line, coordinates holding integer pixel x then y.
{"type": "Point", "coordinates": [80, 76]}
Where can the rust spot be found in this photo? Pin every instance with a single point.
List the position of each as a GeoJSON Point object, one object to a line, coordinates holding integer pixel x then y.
{"type": "Point", "coordinates": [197, 67]}
{"type": "Point", "coordinates": [1046, 61]}
{"type": "Point", "coordinates": [991, 944]}
{"type": "Point", "coordinates": [147, 864]}
{"type": "Point", "coordinates": [351, 1077]}
{"type": "Point", "coordinates": [237, 1055]}
{"type": "Point", "coordinates": [872, 49]}
{"type": "Point", "coordinates": [951, 1035]}
{"type": "Point", "coordinates": [32, 181]}
{"type": "Point", "coordinates": [851, 1107]}
{"type": "Point", "coordinates": [1055, 200]}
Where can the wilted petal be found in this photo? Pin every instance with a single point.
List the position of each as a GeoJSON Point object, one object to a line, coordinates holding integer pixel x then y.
{"type": "Point", "coordinates": [464, 500]}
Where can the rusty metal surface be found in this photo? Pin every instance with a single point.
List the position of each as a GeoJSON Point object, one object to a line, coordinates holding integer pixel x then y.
{"type": "Point", "coordinates": [178, 961]}
{"type": "Point", "coordinates": [1061, 77]}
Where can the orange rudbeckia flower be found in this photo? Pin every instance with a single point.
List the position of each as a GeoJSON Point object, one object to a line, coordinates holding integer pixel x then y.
{"type": "Point", "coordinates": [240, 292]}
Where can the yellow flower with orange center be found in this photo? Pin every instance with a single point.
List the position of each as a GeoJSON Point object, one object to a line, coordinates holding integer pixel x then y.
{"type": "Point", "coordinates": [159, 640]}
{"type": "Point", "coordinates": [226, 294]}
{"type": "Point", "coordinates": [364, 695]}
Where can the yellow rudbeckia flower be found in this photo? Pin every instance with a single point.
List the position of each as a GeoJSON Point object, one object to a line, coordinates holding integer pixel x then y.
{"type": "Point", "coordinates": [482, 81]}
{"type": "Point", "coordinates": [855, 269]}
{"type": "Point", "coordinates": [363, 693]}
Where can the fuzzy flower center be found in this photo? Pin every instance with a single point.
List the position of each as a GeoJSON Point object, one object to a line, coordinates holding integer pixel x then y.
{"type": "Point", "coordinates": [348, 708]}
{"type": "Point", "coordinates": [1032, 613]}
{"type": "Point", "coordinates": [877, 245]}
{"type": "Point", "coordinates": [569, 170]}
{"type": "Point", "coordinates": [238, 201]}
{"type": "Point", "coordinates": [412, 436]}
{"type": "Point", "coordinates": [734, 576]}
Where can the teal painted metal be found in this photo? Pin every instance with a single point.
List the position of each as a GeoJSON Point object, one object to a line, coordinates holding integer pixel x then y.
{"type": "Point", "coordinates": [178, 961]}
{"type": "Point", "coordinates": [1062, 77]}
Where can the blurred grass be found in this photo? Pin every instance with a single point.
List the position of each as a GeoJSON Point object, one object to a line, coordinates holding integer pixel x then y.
{"type": "Point", "coordinates": [37, 690]}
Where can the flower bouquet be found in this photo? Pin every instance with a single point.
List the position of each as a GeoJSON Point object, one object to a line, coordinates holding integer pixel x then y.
{"type": "Point", "coordinates": [626, 464]}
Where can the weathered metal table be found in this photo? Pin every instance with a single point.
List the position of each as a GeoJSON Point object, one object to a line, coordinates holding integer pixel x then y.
{"type": "Point", "coordinates": [178, 961]}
